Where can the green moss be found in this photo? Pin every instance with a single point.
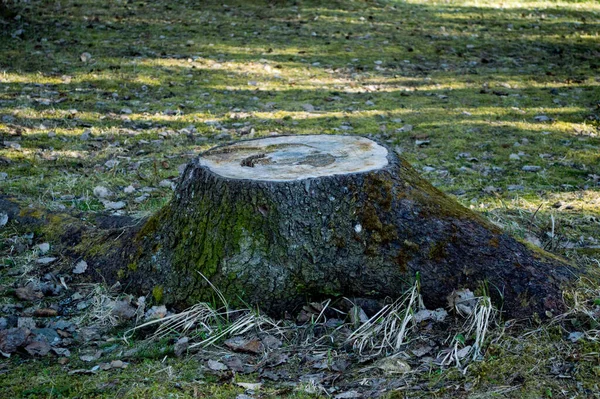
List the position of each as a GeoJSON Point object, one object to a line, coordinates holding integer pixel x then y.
{"type": "Point", "coordinates": [402, 261]}
{"type": "Point", "coordinates": [540, 254]}
{"type": "Point", "coordinates": [152, 225]}
{"type": "Point", "coordinates": [157, 293]}
{"type": "Point", "coordinates": [437, 251]}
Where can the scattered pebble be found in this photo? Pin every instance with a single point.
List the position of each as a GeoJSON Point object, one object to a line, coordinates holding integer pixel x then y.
{"type": "Point", "coordinates": [216, 365]}
{"type": "Point", "coordinates": [85, 57]}
{"type": "Point", "coordinates": [43, 248]}
{"type": "Point", "coordinates": [45, 260]}
{"type": "Point", "coordinates": [80, 267]}
{"type": "Point", "coordinates": [114, 205]}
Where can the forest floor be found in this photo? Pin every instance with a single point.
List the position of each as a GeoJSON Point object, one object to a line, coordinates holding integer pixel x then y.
{"type": "Point", "coordinates": [102, 102]}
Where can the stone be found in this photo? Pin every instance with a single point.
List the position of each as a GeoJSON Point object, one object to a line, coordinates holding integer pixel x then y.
{"type": "Point", "coordinates": [26, 322]}
{"type": "Point", "coordinates": [28, 293]}
{"type": "Point", "coordinates": [123, 310]}
{"type": "Point", "coordinates": [38, 348]}
{"type": "Point", "coordinates": [13, 338]}
{"type": "Point", "coordinates": [45, 260]}
{"type": "Point", "coordinates": [43, 248]}
{"type": "Point", "coordinates": [156, 312]}
{"type": "Point", "coordinates": [216, 366]}
{"type": "Point", "coordinates": [80, 267]}
{"type": "Point", "coordinates": [181, 346]}
{"type": "Point", "coordinates": [102, 192]}
{"type": "Point", "coordinates": [392, 365]}
{"type": "Point", "coordinates": [114, 205]}
{"type": "Point", "coordinates": [240, 344]}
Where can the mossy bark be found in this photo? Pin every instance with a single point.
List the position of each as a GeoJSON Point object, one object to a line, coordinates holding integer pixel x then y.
{"type": "Point", "coordinates": [276, 245]}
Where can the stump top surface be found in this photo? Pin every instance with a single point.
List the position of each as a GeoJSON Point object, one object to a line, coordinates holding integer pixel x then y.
{"type": "Point", "coordinates": [286, 158]}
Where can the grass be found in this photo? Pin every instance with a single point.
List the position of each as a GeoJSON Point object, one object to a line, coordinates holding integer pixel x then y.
{"type": "Point", "coordinates": [167, 80]}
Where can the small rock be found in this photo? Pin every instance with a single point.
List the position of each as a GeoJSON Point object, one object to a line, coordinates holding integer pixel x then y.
{"type": "Point", "coordinates": [464, 352]}
{"type": "Point", "coordinates": [271, 342]}
{"type": "Point", "coordinates": [514, 157]}
{"type": "Point", "coordinates": [141, 198]}
{"type": "Point", "coordinates": [235, 363]}
{"type": "Point", "coordinates": [89, 358]}
{"type": "Point", "coordinates": [531, 168]}
{"type": "Point", "coordinates": [102, 192]}
{"type": "Point", "coordinates": [3, 219]}
{"type": "Point", "coordinates": [542, 118]}
{"type": "Point", "coordinates": [428, 169]}
{"type": "Point", "coordinates": [156, 312]}
{"type": "Point", "coordinates": [576, 336]}
{"type": "Point", "coordinates": [43, 248]}
{"type": "Point", "coordinates": [62, 352]}
{"type": "Point", "coordinates": [49, 334]}
{"type": "Point", "coordinates": [85, 57]}
{"type": "Point", "coordinates": [38, 348]}
{"type": "Point", "coordinates": [114, 205]}
{"type": "Point", "coordinates": [45, 260]}
{"type": "Point", "coordinates": [129, 189]}
{"type": "Point", "coordinates": [240, 344]}
{"type": "Point", "coordinates": [216, 366]}
{"type": "Point", "coordinates": [28, 293]}
{"type": "Point", "coordinates": [167, 183]}
{"type": "Point", "coordinates": [369, 103]}
{"type": "Point", "coordinates": [425, 314]}
{"type": "Point", "coordinates": [249, 386]}
{"type": "Point", "coordinates": [392, 365]}
{"type": "Point", "coordinates": [80, 267]}
{"type": "Point", "coordinates": [126, 111]}
{"type": "Point", "coordinates": [26, 322]}
{"type": "Point", "coordinates": [421, 351]}
{"type": "Point", "coordinates": [85, 135]}
{"type": "Point", "coordinates": [348, 395]}
{"type": "Point", "coordinates": [123, 310]}
{"type": "Point", "coordinates": [308, 107]}
{"type": "Point", "coordinates": [181, 346]}
{"type": "Point", "coordinates": [118, 364]}
{"type": "Point", "coordinates": [88, 334]}
{"type": "Point", "coordinates": [12, 339]}
{"type": "Point", "coordinates": [405, 128]}
{"type": "Point", "coordinates": [463, 301]}
{"type": "Point", "coordinates": [3, 323]}
{"type": "Point", "coordinates": [62, 361]}
{"type": "Point", "coordinates": [111, 163]}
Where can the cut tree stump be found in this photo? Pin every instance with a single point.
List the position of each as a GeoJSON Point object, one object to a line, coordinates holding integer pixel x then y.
{"type": "Point", "coordinates": [276, 222]}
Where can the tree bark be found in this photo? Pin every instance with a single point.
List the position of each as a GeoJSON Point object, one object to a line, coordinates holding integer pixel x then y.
{"type": "Point", "coordinates": [276, 244]}
{"type": "Point", "coordinates": [352, 224]}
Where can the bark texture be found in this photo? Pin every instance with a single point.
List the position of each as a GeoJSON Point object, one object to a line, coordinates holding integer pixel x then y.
{"type": "Point", "coordinates": [277, 244]}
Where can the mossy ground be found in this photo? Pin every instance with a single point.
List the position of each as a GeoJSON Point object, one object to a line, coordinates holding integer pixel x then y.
{"type": "Point", "coordinates": [469, 77]}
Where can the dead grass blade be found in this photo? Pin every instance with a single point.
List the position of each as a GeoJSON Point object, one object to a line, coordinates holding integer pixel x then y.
{"type": "Point", "coordinates": [388, 328]}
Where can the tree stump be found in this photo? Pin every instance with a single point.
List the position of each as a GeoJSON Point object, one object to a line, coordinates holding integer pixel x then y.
{"type": "Point", "coordinates": [275, 222]}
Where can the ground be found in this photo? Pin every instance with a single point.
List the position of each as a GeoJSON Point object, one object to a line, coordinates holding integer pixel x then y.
{"type": "Point", "coordinates": [495, 103]}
